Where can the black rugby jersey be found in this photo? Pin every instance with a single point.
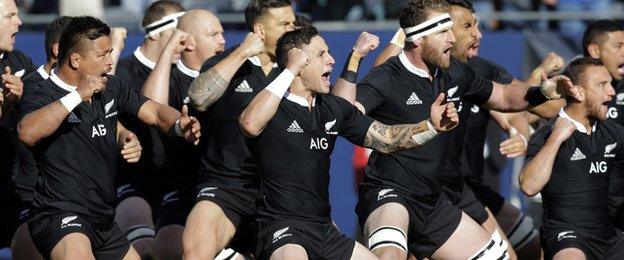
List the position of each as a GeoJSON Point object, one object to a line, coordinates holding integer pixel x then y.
{"type": "Point", "coordinates": [135, 70]}
{"type": "Point", "coordinates": [226, 157]}
{"type": "Point", "coordinates": [21, 65]}
{"type": "Point", "coordinates": [396, 92]}
{"type": "Point", "coordinates": [25, 174]}
{"type": "Point", "coordinates": [576, 195]}
{"type": "Point", "coordinates": [293, 155]}
{"type": "Point", "coordinates": [616, 107]}
{"type": "Point", "coordinates": [181, 157]}
{"type": "Point", "coordinates": [469, 136]}
{"type": "Point", "coordinates": [78, 161]}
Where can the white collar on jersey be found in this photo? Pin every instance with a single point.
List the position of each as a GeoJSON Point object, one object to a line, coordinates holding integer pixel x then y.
{"type": "Point", "coordinates": [61, 83]}
{"type": "Point", "coordinates": [2, 55]}
{"type": "Point", "coordinates": [187, 71]}
{"type": "Point", "coordinates": [144, 60]}
{"type": "Point", "coordinates": [409, 66]}
{"type": "Point", "coordinates": [580, 127]}
{"type": "Point", "coordinates": [299, 100]}
{"type": "Point", "coordinates": [42, 72]}
{"type": "Point", "coordinates": [256, 61]}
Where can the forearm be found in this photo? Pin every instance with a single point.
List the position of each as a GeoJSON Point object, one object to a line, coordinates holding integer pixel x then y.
{"type": "Point", "coordinates": [392, 138]}
{"type": "Point", "coordinates": [394, 47]}
{"type": "Point", "coordinates": [536, 172]}
{"type": "Point", "coordinates": [263, 106]}
{"type": "Point", "coordinates": [209, 86]}
{"type": "Point", "coordinates": [345, 85]}
{"type": "Point", "coordinates": [520, 122]}
{"type": "Point", "coordinates": [549, 109]}
{"type": "Point", "coordinates": [41, 123]}
{"type": "Point", "coordinates": [156, 87]}
{"type": "Point", "coordinates": [122, 132]}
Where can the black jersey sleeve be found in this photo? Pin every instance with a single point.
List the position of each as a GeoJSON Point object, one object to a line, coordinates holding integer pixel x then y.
{"type": "Point", "coordinates": [490, 70]}
{"type": "Point", "coordinates": [354, 125]}
{"type": "Point", "coordinates": [538, 139]}
{"type": "Point", "coordinates": [371, 91]}
{"type": "Point", "coordinates": [216, 59]}
{"type": "Point", "coordinates": [129, 101]}
{"type": "Point", "coordinates": [479, 89]}
{"type": "Point", "coordinates": [36, 99]}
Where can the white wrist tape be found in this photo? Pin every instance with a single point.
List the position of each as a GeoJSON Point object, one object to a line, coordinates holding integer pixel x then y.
{"type": "Point", "coordinates": [177, 129]}
{"type": "Point", "coordinates": [395, 38]}
{"type": "Point", "coordinates": [424, 137]}
{"type": "Point", "coordinates": [280, 85]}
{"type": "Point", "coordinates": [513, 131]}
{"type": "Point", "coordinates": [71, 100]}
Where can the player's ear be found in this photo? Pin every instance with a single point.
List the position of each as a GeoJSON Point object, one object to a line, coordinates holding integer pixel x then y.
{"type": "Point", "coordinates": [259, 30]}
{"type": "Point", "coordinates": [74, 60]}
{"type": "Point", "coordinates": [576, 92]}
{"type": "Point", "coordinates": [55, 50]}
{"type": "Point", "coordinates": [593, 50]}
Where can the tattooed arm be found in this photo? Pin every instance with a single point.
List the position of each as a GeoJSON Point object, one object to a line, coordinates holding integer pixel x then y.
{"type": "Point", "coordinates": [210, 85]}
{"type": "Point", "coordinates": [392, 138]}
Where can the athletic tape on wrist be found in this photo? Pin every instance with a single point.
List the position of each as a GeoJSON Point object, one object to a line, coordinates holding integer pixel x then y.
{"type": "Point", "coordinates": [434, 25]}
{"type": "Point", "coordinates": [165, 23]}
{"type": "Point", "coordinates": [548, 85]}
{"type": "Point", "coordinates": [424, 137]}
{"type": "Point", "coordinates": [395, 39]}
{"type": "Point", "coordinates": [280, 85]}
{"type": "Point", "coordinates": [71, 100]}
{"type": "Point", "coordinates": [178, 129]}
{"type": "Point", "coordinates": [350, 70]}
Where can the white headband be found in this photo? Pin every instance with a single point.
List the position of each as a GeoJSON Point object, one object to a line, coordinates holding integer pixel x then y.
{"type": "Point", "coordinates": [165, 23]}
{"type": "Point", "coordinates": [436, 24]}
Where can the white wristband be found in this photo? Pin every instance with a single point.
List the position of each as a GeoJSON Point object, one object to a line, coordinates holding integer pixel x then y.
{"type": "Point", "coordinates": [280, 85]}
{"type": "Point", "coordinates": [177, 129]}
{"type": "Point", "coordinates": [395, 38]}
{"type": "Point", "coordinates": [424, 137]}
{"type": "Point", "coordinates": [71, 100]}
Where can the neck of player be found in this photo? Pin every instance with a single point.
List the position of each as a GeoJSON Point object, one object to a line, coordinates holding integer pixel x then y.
{"type": "Point", "coordinates": [151, 50]}
{"type": "Point", "coordinates": [68, 75]}
{"type": "Point", "coordinates": [579, 113]}
{"type": "Point", "coordinates": [298, 88]}
{"type": "Point", "coordinates": [191, 60]}
{"type": "Point", "coordinates": [415, 57]}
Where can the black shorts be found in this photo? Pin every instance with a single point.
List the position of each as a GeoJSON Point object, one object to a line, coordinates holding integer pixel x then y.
{"type": "Point", "coordinates": [174, 208]}
{"type": "Point", "coordinates": [239, 206]}
{"type": "Point", "coordinates": [593, 246]}
{"type": "Point", "coordinates": [320, 240]}
{"type": "Point", "coordinates": [466, 202]}
{"type": "Point", "coordinates": [107, 241]}
{"type": "Point", "coordinates": [486, 195]}
{"type": "Point", "coordinates": [138, 186]}
{"type": "Point", "coordinates": [14, 215]}
{"type": "Point", "coordinates": [430, 224]}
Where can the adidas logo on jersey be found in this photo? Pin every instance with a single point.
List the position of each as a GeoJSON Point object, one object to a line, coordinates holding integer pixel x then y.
{"type": "Point", "coordinates": [577, 155]}
{"type": "Point", "coordinates": [73, 118]}
{"type": "Point", "coordinates": [294, 127]}
{"type": "Point", "coordinates": [243, 88]}
{"type": "Point", "coordinates": [281, 234]}
{"type": "Point", "coordinates": [413, 100]}
{"type": "Point", "coordinates": [65, 222]}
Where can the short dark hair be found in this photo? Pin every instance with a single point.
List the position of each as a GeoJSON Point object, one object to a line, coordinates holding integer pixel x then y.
{"type": "Point", "coordinates": [77, 30]}
{"type": "Point", "coordinates": [597, 30]}
{"type": "Point", "coordinates": [575, 71]}
{"type": "Point", "coordinates": [293, 39]}
{"type": "Point", "coordinates": [302, 21]}
{"type": "Point", "coordinates": [416, 11]}
{"type": "Point", "coordinates": [462, 3]}
{"type": "Point", "coordinates": [160, 9]}
{"type": "Point", "coordinates": [258, 8]}
{"type": "Point", "coordinates": [53, 34]}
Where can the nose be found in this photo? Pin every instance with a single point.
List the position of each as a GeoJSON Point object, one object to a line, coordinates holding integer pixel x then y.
{"type": "Point", "coordinates": [331, 60]}
{"type": "Point", "coordinates": [451, 37]}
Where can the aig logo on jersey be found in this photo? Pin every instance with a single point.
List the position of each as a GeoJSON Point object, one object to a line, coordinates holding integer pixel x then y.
{"type": "Point", "coordinates": [598, 167]}
{"type": "Point", "coordinates": [619, 99]}
{"type": "Point", "coordinates": [98, 131]}
{"type": "Point", "coordinates": [612, 113]}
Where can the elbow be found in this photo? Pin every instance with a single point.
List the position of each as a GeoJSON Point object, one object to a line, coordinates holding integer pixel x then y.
{"type": "Point", "coordinates": [25, 135]}
{"type": "Point", "coordinates": [248, 127]}
{"type": "Point", "coordinates": [197, 103]}
{"type": "Point", "coordinates": [527, 188]}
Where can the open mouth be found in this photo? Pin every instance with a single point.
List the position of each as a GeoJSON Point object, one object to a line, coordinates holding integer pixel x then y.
{"type": "Point", "coordinates": [447, 52]}
{"type": "Point", "coordinates": [621, 69]}
{"type": "Point", "coordinates": [325, 76]}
